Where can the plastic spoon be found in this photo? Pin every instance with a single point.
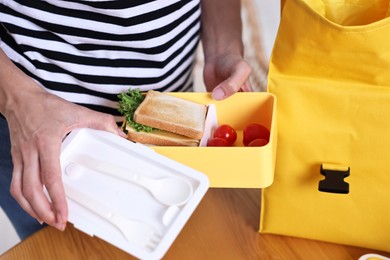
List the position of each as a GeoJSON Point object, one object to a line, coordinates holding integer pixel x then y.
{"type": "Point", "coordinates": [169, 191]}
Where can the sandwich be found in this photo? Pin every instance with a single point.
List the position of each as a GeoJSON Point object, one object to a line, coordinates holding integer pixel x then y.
{"type": "Point", "coordinates": [161, 119]}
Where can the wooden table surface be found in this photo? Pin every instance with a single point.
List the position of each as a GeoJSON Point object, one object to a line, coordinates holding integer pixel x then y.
{"type": "Point", "coordinates": [224, 226]}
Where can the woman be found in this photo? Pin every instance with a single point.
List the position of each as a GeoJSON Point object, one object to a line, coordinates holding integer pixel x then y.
{"type": "Point", "coordinates": [62, 64]}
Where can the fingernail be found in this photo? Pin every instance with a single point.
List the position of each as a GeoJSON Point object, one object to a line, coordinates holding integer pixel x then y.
{"type": "Point", "coordinates": [218, 93]}
{"type": "Point", "coordinates": [40, 222]}
{"type": "Point", "coordinates": [62, 226]}
{"type": "Point", "coordinates": [60, 223]}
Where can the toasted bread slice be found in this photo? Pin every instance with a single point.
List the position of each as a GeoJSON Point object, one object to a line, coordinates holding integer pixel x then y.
{"type": "Point", "coordinates": [159, 138]}
{"type": "Point", "coordinates": [172, 114]}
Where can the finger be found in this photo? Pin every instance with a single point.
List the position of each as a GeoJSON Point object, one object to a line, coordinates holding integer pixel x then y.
{"type": "Point", "coordinates": [233, 83]}
{"type": "Point", "coordinates": [17, 184]}
{"type": "Point", "coordinates": [247, 87]}
{"type": "Point", "coordinates": [49, 154]}
{"type": "Point", "coordinates": [33, 186]}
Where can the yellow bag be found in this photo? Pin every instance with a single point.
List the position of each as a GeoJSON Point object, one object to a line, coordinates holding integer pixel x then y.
{"type": "Point", "coordinates": [330, 72]}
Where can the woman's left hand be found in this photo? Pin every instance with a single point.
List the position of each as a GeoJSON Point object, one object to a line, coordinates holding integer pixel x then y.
{"type": "Point", "coordinates": [226, 75]}
{"type": "Point", "coordinates": [225, 72]}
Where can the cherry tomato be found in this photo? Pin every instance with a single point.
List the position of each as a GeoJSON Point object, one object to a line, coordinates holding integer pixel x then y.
{"type": "Point", "coordinates": [258, 142]}
{"type": "Point", "coordinates": [226, 132]}
{"type": "Point", "coordinates": [255, 131]}
{"type": "Point", "coordinates": [216, 141]}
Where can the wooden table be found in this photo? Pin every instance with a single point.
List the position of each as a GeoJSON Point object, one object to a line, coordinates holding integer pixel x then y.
{"type": "Point", "coordinates": [224, 226]}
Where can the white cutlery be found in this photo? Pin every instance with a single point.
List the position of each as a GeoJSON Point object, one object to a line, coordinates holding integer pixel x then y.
{"type": "Point", "coordinates": [171, 191]}
{"type": "Point", "coordinates": [136, 232]}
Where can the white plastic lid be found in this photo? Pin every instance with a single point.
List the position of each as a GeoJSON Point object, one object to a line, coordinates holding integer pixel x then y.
{"type": "Point", "coordinates": [113, 187]}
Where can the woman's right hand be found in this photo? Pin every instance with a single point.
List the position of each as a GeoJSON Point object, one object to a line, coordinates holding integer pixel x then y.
{"type": "Point", "coordinates": [38, 122]}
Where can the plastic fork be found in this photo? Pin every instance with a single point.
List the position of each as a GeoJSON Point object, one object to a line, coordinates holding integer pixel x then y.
{"type": "Point", "coordinates": [136, 232]}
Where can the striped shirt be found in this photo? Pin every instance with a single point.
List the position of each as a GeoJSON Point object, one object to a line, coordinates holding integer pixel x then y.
{"type": "Point", "coordinates": [88, 51]}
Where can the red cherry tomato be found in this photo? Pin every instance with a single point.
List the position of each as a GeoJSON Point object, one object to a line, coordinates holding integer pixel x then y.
{"type": "Point", "coordinates": [216, 141]}
{"type": "Point", "coordinates": [258, 142]}
{"type": "Point", "coordinates": [226, 132]}
{"type": "Point", "coordinates": [255, 131]}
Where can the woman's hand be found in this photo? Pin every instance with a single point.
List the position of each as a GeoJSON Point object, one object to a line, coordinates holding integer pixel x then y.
{"type": "Point", "coordinates": [37, 129]}
{"type": "Point", "coordinates": [225, 72]}
{"type": "Point", "coordinates": [38, 122]}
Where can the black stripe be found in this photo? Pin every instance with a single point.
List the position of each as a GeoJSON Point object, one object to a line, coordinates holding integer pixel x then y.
{"type": "Point", "coordinates": [133, 79]}
{"type": "Point", "coordinates": [110, 4]}
{"type": "Point", "coordinates": [154, 50]}
{"type": "Point", "coordinates": [187, 85]}
{"type": "Point", "coordinates": [87, 47]}
{"type": "Point", "coordinates": [65, 87]}
{"type": "Point", "coordinates": [101, 17]}
{"type": "Point", "coordinates": [44, 35]}
{"type": "Point", "coordinates": [72, 88]}
{"type": "Point", "coordinates": [61, 29]}
{"type": "Point", "coordinates": [103, 109]}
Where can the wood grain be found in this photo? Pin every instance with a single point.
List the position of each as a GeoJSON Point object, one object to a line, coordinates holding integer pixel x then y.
{"type": "Point", "coordinates": [224, 226]}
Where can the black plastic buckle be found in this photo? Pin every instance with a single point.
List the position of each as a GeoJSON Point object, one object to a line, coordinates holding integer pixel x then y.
{"type": "Point", "coordinates": [334, 179]}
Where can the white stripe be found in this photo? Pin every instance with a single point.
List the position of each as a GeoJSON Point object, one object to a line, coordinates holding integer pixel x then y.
{"type": "Point", "coordinates": [69, 49]}
{"type": "Point", "coordinates": [85, 99]}
{"type": "Point", "coordinates": [115, 72]}
{"type": "Point", "coordinates": [89, 100]}
{"type": "Point", "coordinates": [157, 41]}
{"type": "Point", "coordinates": [6, 18]}
{"type": "Point", "coordinates": [103, 88]}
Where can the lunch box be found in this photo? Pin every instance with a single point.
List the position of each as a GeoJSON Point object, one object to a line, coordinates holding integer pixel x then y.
{"type": "Point", "coordinates": [115, 188]}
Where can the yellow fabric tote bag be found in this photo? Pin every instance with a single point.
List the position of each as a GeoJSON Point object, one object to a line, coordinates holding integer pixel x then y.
{"type": "Point", "coordinates": [330, 72]}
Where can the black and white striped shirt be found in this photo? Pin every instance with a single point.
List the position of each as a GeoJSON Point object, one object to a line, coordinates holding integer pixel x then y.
{"type": "Point", "coordinates": [88, 51]}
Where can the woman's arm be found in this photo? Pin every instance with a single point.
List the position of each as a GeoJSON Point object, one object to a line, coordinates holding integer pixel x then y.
{"type": "Point", "coordinates": [226, 71]}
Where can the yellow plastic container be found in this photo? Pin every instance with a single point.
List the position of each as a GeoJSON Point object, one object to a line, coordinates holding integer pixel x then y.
{"type": "Point", "coordinates": [237, 166]}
